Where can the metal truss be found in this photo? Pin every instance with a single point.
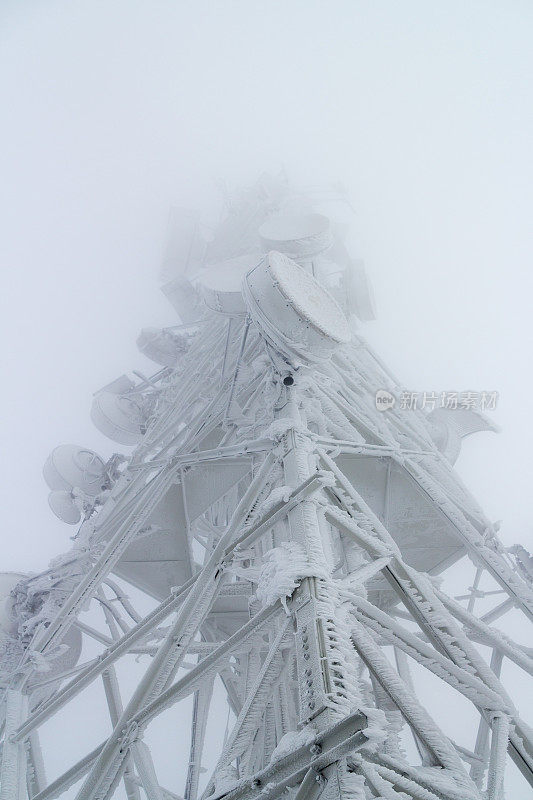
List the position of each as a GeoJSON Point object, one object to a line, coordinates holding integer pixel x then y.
{"type": "Point", "coordinates": [314, 540]}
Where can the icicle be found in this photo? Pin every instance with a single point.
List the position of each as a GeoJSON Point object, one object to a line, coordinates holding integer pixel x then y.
{"type": "Point", "coordinates": [282, 570]}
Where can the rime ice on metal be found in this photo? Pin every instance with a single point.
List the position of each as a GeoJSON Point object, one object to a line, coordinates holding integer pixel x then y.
{"type": "Point", "coordinates": [301, 547]}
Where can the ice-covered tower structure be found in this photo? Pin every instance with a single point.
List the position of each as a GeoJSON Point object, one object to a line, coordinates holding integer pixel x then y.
{"type": "Point", "coordinates": [278, 535]}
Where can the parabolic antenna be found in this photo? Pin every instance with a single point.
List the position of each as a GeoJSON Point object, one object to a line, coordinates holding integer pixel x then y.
{"type": "Point", "coordinates": [450, 425]}
{"type": "Point", "coordinates": [117, 417]}
{"type": "Point", "coordinates": [293, 309]}
{"type": "Point", "coordinates": [69, 465]}
{"type": "Point", "coordinates": [160, 346]}
{"type": "Point", "coordinates": [296, 235]}
{"type": "Point", "coordinates": [220, 284]}
{"type": "Point", "coordinates": [64, 507]}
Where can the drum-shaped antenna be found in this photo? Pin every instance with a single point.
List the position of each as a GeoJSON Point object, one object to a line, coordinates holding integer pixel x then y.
{"type": "Point", "coordinates": [221, 284]}
{"type": "Point", "coordinates": [297, 235]}
{"type": "Point", "coordinates": [117, 417]}
{"type": "Point", "coordinates": [64, 507]}
{"type": "Point", "coordinates": [293, 309]}
{"type": "Point", "coordinates": [160, 346]}
{"type": "Point", "coordinates": [69, 465]}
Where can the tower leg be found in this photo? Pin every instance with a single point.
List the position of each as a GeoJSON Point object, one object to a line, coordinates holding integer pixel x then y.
{"type": "Point", "coordinates": [202, 699]}
{"type": "Point", "coordinates": [13, 770]}
{"type": "Point", "coordinates": [328, 691]}
{"type": "Point", "coordinates": [36, 777]}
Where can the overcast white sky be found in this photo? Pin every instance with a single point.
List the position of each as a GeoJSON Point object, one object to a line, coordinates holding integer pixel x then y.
{"type": "Point", "coordinates": [113, 111]}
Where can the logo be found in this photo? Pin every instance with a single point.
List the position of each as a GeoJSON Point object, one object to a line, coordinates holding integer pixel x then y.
{"type": "Point", "coordinates": [384, 400]}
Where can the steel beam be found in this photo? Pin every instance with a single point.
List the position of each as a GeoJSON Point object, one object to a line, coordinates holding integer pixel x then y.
{"type": "Point", "coordinates": [332, 744]}
{"type": "Point", "coordinates": [13, 767]}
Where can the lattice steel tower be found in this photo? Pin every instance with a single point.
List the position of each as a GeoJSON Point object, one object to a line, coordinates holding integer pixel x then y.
{"type": "Point", "coordinates": [281, 539]}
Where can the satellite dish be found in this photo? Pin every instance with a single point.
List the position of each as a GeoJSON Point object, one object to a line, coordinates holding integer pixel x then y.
{"type": "Point", "coordinates": [120, 385]}
{"type": "Point", "coordinates": [64, 507]}
{"type": "Point", "coordinates": [297, 235]}
{"type": "Point", "coordinates": [293, 309]}
{"type": "Point", "coordinates": [220, 284]}
{"type": "Point", "coordinates": [117, 417]}
{"type": "Point", "coordinates": [450, 425]}
{"type": "Point", "coordinates": [69, 465]}
{"type": "Point", "coordinates": [160, 346]}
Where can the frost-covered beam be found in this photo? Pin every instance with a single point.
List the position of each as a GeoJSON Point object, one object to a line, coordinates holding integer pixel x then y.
{"type": "Point", "coordinates": [278, 512]}
{"type": "Point", "coordinates": [371, 544]}
{"type": "Point", "coordinates": [102, 776]}
{"type": "Point", "coordinates": [202, 353]}
{"type": "Point", "coordinates": [144, 505]}
{"type": "Point", "coordinates": [93, 633]}
{"type": "Point", "coordinates": [312, 786]}
{"type": "Point", "coordinates": [451, 641]}
{"type": "Point", "coordinates": [335, 445]}
{"type": "Point", "coordinates": [202, 700]}
{"type": "Point", "coordinates": [114, 704]}
{"type": "Point", "coordinates": [488, 635]}
{"type": "Point", "coordinates": [36, 775]}
{"type": "Point", "coordinates": [255, 703]}
{"type": "Point", "coordinates": [492, 561]}
{"type": "Point", "coordinates": [143, 762]}
{"type": "Point", "coordinates": [519, 593]}
{"type": "Point", "coordinates": [332, 744]}
{"type": "Point", "coordinates": [208, 664]}
{"type": "Point", "coordinates": [105, 659]}
{"type": "Point", "coordinates": [498, 611]}
{"type": "Point", "coordinates": [13, 767]}
{"type": "Point", "coordinates": [229, 452]}
{"type": "Point", "coordinates": [462, 680]}
{"type": "Point", "coordinates": [420, 599]}
{"type": "Point", "coordinates": [498, 750]}
{"type": "Point", "coordinates": [178, 691]}
{"type": "Point", "coordinates": [68, 778]}
{"type": "Point", "coordinates": [413, 711]}
{"type": "Point", "coordinates": [392, 785]}
{"type": "Point", "coordinates": [415, 779]}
